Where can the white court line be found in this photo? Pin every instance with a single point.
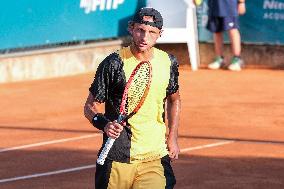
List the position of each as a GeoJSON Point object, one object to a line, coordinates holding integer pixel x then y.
{"type": "Point", "coordinates": [48, 173]}
{"type": "Point", "coordinates": [206, 146]}
{"type": "Point", "coordinates": [93, 165]}
{"type": "Point", "coordinates": [48, 142]}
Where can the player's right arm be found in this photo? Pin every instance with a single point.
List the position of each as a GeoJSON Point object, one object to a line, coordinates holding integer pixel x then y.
{"type": "Point", "coordinates": [98, 92]}
{"type": "Point", "coordinates": [92, 113]}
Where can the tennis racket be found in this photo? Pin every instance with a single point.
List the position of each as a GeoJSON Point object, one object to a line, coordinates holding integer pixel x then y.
{"type": "Point", "coordinates": [135, 92]}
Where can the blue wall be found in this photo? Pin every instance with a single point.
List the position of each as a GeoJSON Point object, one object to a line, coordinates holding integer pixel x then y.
{"type": "Point", "coordinates": [25, 23]}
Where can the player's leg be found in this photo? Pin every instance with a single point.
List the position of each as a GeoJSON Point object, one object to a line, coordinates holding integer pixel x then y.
{"type": "Point", "coordinates": [156, 174]}
{"type": "Point", "coordinates": [218, 43]}
{"type": "Point", "coordinates": [215, 25]}
{"type": "Point", "coordinates": [236, 62]}
{"type": "Point", "coordinates": [113, 175]}
{"type": "Point", "coordinates": [235, 39]}
{"type": "Point", "coordinates": [231, 24]}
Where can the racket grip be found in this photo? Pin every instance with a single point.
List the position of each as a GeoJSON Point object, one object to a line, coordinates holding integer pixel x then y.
{"type": "Point", "coordinates": [120, 118]}
{"type": "Point", "coordinates": [105, 151]}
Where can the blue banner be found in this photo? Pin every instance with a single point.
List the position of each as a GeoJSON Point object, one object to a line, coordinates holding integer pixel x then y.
{"type": "Point", "coordinates": [28, 23]}
{"type": "Point", "coordinates": [263, 22]}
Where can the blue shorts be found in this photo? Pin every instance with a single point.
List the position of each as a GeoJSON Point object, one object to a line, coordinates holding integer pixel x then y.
{"type": "Point", "coordinates": [220, 24]}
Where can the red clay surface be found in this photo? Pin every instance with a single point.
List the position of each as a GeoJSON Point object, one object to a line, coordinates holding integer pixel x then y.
{"type": "Point", "coordinates": [231, 132]}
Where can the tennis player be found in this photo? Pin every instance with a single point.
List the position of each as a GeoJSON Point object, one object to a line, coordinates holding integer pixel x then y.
{"type": "Point", "coordinates": [142, 154]}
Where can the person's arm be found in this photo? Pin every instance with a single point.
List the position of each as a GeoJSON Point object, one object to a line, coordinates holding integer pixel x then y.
{"type": "Point", "coordinates": [92, 111]}
{"type": "Point", "coordinates": [173, 114]}
{"type": "Point", "coordinates": [98, 93]}
{"type": "Point", "coordinates": [92, 108]}
{"type": "Point", "coordinates": [241, 7]}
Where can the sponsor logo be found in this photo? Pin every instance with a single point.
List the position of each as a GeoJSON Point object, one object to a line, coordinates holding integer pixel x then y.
{"type": "Point", "coordinates": [101, 5]}
{"type": "Point", "coordinates": [272, 4]}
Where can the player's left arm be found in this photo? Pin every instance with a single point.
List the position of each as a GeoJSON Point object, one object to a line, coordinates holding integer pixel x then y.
{"type": "Point", "coordinates": [173, 114]}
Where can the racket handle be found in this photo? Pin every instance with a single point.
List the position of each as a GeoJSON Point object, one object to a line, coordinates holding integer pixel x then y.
{"type": "Point", "coordinates": [108, 144]}
{"type": "Point", "coordinates": [104, 152]}
{"type": "Point", "coordinates": [120, 118]}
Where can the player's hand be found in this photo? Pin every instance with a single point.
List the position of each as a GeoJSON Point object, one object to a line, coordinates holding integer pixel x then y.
{"type": "Point", "coordinates": [241, 8]}
{"type": "Point", "coordinates": [173, 148]}
{"type": "Point", "coordinates": [113, 129]}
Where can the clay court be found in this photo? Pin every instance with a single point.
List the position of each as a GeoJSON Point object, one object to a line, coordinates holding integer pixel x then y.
{"type": "Point", "coordinates": [231, 132]}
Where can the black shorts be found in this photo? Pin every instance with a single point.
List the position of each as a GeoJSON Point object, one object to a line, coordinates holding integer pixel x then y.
{"type": "Point", "coordinates": [220, 24]}
{"type": "Point", "coordinates": [156, 174]}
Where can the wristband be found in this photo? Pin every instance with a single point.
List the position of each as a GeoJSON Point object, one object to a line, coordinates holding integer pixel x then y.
{"type": "Point", "coordinates": [100, 121]}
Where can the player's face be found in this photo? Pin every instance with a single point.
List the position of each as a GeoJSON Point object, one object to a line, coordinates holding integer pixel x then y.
{"type": "Point", "coordinates": [144, 36]}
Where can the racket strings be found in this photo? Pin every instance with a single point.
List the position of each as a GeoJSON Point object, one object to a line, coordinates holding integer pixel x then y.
{"type": "Point", "coordinates": [138, 87]}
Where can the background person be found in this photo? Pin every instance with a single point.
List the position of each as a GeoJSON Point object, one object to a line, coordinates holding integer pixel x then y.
{"type": "Point", "coordinates": [222, 17]}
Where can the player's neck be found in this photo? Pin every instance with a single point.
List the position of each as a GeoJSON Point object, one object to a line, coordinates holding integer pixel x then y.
{"type": "Point", "coordinates": [146, 55]}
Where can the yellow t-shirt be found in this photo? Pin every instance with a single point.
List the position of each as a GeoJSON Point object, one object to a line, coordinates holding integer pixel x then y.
{"type": "Point", "coordinates": [147, 125]}
{"type": "Point", "coordinates": [144, 138]}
